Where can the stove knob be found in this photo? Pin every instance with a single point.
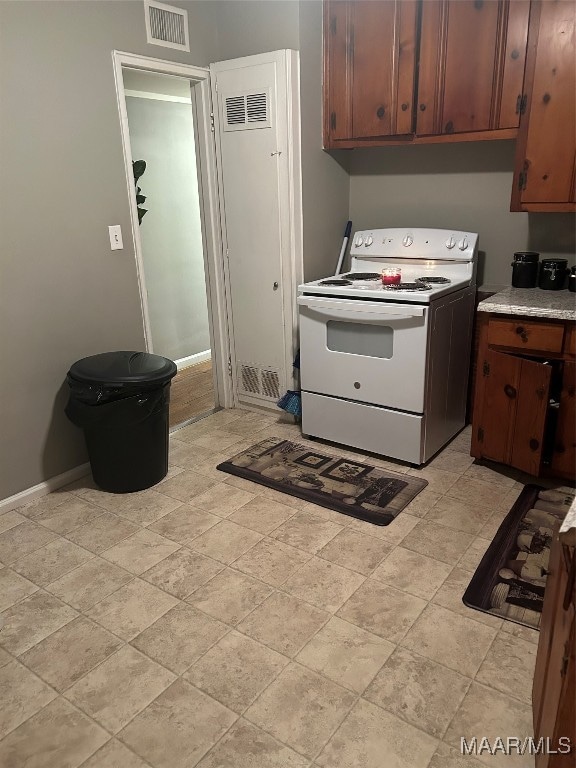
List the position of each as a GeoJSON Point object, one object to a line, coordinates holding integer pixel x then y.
{"type": "Point", "coordinates": [408, 240]}
{"type": "Point", "coordinates": [450, 243]}
{"type": "Point", "coordinates": [463, 244]}
{"type": "Point", "coordinates": [358, 241]}
{"type": "Point", "coordinates": [369, 241]}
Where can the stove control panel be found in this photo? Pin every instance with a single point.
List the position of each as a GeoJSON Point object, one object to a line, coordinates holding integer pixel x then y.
{"type": "Point", "coordinates": [415, 244]}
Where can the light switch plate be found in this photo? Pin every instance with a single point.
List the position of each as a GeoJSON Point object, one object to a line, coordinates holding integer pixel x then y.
{"type": "Point", "coordinates": [115, 233]}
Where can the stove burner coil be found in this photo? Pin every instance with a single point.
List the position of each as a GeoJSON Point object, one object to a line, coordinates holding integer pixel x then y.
{"type": "Point", "coordinates": [433, 280]}
{"type": "Point", "coordinates": [362, 276]}
{"type": "Point", "coordinates": [407, 287]}
{"type": "Point", "coordinates": [335, 281]}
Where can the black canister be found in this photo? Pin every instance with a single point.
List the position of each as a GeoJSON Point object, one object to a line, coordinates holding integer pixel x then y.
{"type": "Point", "coordinates": [525, 269]}
{"type": "Point", "coordinates": [572, 280]}
{"type": "Point", "coordinates": [552, 274]}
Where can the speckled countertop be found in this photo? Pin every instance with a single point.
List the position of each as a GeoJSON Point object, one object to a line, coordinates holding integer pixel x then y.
{"type": "Point", "coordinates": [569, 523]}
{"type": "Point", "coordinates": [533, 302]}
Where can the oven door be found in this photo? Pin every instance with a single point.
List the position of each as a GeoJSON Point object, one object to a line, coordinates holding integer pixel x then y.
{"type": "Point", "coordinates": [368, 351]}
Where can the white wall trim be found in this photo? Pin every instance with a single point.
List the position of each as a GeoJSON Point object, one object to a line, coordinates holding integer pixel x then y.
{"type": "Point", "coordinates": [199, 357]}
{"type": "Point", "coordinates": [157, 96]}
{"type": "Point", "coordinates": [42, 489]}
{"type": "Point", "coordinates": [162, 66]}
{"type": "Point", "coordinates": [199, 78]}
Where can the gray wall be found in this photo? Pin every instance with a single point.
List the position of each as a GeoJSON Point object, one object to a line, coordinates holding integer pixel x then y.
{"type": "Point", "coordinates": [162, 134]}
{"type": "Point", "coordinates": [256, 26]}
{"type": "Point", "coordinates": [63, 293]}
{"type": "Point", "coordinates": [325, 181]}
{"type": "Point", "coordinates": [455, 186]}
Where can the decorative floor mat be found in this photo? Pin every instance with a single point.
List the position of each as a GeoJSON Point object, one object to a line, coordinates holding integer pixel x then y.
{"type": "Point", "coordinates": [511, 577]}
{"type": "Point", "coordinates": [351, 487]}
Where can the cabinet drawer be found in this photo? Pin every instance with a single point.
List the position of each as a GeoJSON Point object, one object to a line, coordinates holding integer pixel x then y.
{"type": "Point", "coordinates": [570, 341]}
{"type": "Point", "coordinates": [526, 335]}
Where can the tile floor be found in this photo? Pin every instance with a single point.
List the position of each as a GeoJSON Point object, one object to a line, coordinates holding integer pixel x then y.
{"type": "Point", "coordinates": [216, 623]}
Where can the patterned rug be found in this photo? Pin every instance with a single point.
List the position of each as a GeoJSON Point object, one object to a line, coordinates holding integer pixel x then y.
{"type": "Point", "coordinates": [511, 577]}
{"type": "Point", "coordinates": [351, 487]}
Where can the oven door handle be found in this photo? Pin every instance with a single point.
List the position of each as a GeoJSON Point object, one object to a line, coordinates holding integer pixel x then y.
{"type": "Point", "coordinates": [360, 310]}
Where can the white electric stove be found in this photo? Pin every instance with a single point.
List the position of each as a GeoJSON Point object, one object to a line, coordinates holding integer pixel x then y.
{"type": "Point", "coordinates": [384, 368]}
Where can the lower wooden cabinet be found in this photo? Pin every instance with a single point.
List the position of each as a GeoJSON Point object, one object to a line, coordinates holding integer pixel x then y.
{"type": "Point", "coordinates": [554, 689]}
{"type": "Point", "coordinates": [524, 402]}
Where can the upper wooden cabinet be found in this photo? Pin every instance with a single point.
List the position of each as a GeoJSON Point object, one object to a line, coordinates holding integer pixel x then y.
{"type": "Point", "coordinates": [370, 66]}
{"type": "Point", "coordinates": [472, 57]}
{"type": "Point", "coordinates": [545, 169]}
{"type": "Point", "coordinates": [439, 70]}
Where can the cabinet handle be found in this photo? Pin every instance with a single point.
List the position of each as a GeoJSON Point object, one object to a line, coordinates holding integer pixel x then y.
{"type": "Point", "coordinates": [380, 112]}
{"type": "Point", "coordinates": [510, 391]}
{"type": "Point", "coordinates": [404, 107]}
{"type": "Point", "coordinates": [521, 331]}
{"type": "Point", "coordinates": [422, 107]}
{"type": "Point", "coordinates": [449, 127]}
{"type": "Point", "coordinates": [534, 444]}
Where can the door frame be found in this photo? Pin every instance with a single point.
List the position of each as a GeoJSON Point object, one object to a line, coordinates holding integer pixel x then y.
{"type": "Point", "coordinates": [199, 77]}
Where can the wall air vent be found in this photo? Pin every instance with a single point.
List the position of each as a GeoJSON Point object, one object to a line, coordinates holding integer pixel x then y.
{"type": "Point", "coordinates": [235, 110]}
{"type": "Point", "coordinates": [270, 384]}
{"type": "Point", "coordinates": [166, 25]}
{"type": "Point", "coordinates": [258, 382]}
{"type": "Point", "coordinates": [247, 110]}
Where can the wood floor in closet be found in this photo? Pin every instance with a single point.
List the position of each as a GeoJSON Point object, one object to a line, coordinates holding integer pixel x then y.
{"type": "Point", "coordinates": [192, 392]}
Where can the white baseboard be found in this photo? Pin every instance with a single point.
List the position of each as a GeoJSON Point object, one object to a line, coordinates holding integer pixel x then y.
{"type": "Point", "coordinates": [199, 357]}
{"type": "Point", "coordinates": [42, 489]}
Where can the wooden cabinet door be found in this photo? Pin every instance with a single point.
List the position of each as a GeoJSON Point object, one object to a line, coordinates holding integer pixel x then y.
{"type": "Point", "coordinates": [383, 67]}
{"type": "Point", "coordinates": [337, 71]}
{"type": "Point", "coordinates": [498, 376]}
{"type": "Point", "coordinates": [553, 599]}
{"type": "Point", "coordinates": [514, 402]}
{"type": "Point", "coordinates": [564, 456]}
{"type": "Point", "coordinates": [530, 416]}
{"type": "Point", "coordinates": [553, 692]}
{"type": "Point", "coordinates": [369, 69]}
{"type": "Point", "coordinates": [545, 171]}
{"type": "Point", "coordinates": [471, 70]}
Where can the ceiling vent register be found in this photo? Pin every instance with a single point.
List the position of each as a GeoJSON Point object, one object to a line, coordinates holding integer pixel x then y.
{"type": "Point", "coordinates": [166, 25]}
{"type": "Point", "coordinates": [247, 110]}
{"type": "Point", "coordinates": [259, 382]}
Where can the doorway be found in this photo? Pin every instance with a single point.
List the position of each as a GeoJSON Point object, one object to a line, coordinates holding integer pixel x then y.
{"type": "Point", "coordinates": [169, 177]}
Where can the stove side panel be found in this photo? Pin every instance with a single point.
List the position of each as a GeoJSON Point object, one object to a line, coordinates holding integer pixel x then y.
{"type": "Point", "coordinates": [449, 354]}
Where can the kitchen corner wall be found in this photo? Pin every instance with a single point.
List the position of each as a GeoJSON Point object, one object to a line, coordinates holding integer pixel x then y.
{"type": "Point", "coordinates": [63, 293]}
{"type": "Point", "coordinates": [246, 27]}
{"type": "Point", "coordinates": [464, 186]}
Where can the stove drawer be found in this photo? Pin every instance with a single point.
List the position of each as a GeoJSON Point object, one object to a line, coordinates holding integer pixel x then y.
{"type": "Point", "coordinates": [378, 430]}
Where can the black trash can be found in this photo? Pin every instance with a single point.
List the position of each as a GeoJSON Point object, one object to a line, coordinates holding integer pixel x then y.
{"type": "Point", "coordinates": [121, 400]}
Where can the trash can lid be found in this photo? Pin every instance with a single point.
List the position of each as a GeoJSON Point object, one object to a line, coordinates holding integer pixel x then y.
{"type": "Point", "coordinates": [116, 368]}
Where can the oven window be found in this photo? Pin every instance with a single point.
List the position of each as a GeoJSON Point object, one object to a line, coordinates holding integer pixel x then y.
{"type": "Point", "coordinates": [360, 338]}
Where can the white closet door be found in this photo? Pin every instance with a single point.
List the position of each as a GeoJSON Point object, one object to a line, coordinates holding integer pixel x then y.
{"type": "Point", "coordinates": [257, 145]}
